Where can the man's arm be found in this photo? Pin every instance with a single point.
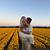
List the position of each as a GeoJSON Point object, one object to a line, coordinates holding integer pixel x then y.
{"type": "Point", "coordinates": [29, 30]}
{"type": "Point", "coordinates": [25, 31]}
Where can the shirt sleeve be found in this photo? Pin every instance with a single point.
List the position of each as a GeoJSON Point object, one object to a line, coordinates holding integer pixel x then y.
{"type": "Point", "coordinates": [30, 28]}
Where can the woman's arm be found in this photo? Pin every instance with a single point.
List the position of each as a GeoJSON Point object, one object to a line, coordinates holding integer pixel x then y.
{"type": "Point", "coordinates": [26, 22]}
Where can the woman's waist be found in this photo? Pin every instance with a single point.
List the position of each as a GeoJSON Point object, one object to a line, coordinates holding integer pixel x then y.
{"type": "Point", "coordinates": [25, 33]}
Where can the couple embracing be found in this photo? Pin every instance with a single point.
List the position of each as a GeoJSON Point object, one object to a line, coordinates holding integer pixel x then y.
{"type": "Point", "coordinates": [26, 33]}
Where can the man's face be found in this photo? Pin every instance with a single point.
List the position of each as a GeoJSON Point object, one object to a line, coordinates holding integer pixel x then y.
{"type": "Point", "coordinates": [28, 22]}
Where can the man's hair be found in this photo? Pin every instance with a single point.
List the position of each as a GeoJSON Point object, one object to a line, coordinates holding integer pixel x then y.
{"type": "Point", "coordinates": [29, 19]}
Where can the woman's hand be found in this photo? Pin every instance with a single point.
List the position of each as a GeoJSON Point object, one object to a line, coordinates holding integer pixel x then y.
{"type": "Point", "coordinates": [25, 22]}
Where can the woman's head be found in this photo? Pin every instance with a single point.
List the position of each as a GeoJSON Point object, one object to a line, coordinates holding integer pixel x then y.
{"type": "Point", "coordinates": [23, 17]}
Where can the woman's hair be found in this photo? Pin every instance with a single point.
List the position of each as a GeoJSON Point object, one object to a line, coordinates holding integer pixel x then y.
{"type": "Point", "coordinates": [22, 17]}
{"type": "Point", "coordinates": [29, 19]}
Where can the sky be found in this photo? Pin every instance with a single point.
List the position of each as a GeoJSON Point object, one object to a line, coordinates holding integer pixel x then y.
{"type": "Point", "coordinates": [12, 10]}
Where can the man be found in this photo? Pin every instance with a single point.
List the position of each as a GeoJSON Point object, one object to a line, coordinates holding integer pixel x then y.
{"type": "Point", "coordinates": [26, 32]}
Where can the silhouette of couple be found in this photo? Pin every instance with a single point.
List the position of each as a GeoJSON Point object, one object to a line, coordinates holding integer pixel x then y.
{"type": "Point", "coordinates": [25, 33]}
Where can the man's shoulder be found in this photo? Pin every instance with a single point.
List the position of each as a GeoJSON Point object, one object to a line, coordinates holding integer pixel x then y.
{"type": "Point", "coordinates": [30, 26]}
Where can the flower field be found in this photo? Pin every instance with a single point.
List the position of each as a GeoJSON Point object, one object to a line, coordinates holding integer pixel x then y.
{"type": "Point", "coordinates": [42, 37]}
{"type": "Point", "coordinates": [9, 38]}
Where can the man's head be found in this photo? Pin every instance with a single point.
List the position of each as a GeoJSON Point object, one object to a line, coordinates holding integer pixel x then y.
{"type": "Point", "coordinates": [29, 20]}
